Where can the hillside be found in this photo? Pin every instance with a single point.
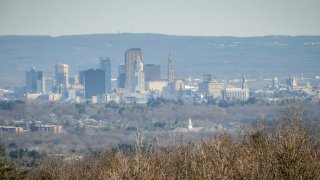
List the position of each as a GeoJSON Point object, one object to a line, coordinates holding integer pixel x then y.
{"type": "Point", "coordinates": [225, 57]}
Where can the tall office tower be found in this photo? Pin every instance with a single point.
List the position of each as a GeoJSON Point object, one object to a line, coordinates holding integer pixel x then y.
{"type": "Point", "coordinates": [207, 77]}
{"type": "Point", "coordinates": [81, 77]}
{"type": "Point", "coordinates": [94, 83]}
{"type": "Point", "coordinates": [105, 64]}
{"type": "Point", "coordinates": [152, 72]}
{"type": "Point", "coordinates": [131, 56]}
{"type": "Point", "coordinates": [170, 69]}
{"type": "Point", "coordinates": [48, 84]}
{"type": "Point", "coordinates": [137, 77]}
{"type": "Point", "coordinates": [244, 83]}
{"type": "Point", "coordinates": [292, 82]}
{"type": "Point", "coordinates": [62, 75]}
{"type": "Point", "coordinates": [34, 81]}
{"type": "Point", "coordinates": [121, 76]}
{"type": "Point", "coordinates": [275, 83]}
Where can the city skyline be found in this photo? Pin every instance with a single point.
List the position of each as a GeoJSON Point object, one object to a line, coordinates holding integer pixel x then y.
{"type": "Point", "coordinates": [204, 18]}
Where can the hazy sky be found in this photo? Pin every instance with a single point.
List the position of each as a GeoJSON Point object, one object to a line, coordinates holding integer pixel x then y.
{"type": "Point", "coordinates": [178, 17]}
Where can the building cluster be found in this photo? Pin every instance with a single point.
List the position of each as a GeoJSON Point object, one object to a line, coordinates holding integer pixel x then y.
{"type": "Point", "coordinates": [33, 127]}
{"type": "Point", "coordinates": [137, 82]}
{"type": "Point", "coordinates": [62, 87]}
{"type": "Point", "coordinates": [292, 87]}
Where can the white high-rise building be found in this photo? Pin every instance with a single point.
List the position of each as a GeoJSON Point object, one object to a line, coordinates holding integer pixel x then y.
{"type": "Point", "coordinates": [62, 75]}
{"type": "Point", "coordinates": [275, 83]}
{"type": "Point", "coordinates": [137, 78]}
{"type": "Point", "coordinates": [244, 83]}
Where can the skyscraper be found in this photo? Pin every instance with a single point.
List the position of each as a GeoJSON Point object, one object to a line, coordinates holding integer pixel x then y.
{"type": "Point", "coordinates": [275, 83]}
{"type": "Point", "coordinates": [131, 56]}
{"type": "Point", "coordinates": [244, 83]}
{"type": "Point", "coordinates": [121, 76]}
{"type": "Point", "coordinates": [137, 78]}
{"type": "Point", "coordinates": [94, 83]}
{"type": "Point", "coordinates": [152, 72]}
{"type": "Point", "coordinates": [62, 75]}
{"type": "Point", "coordinates": [34, 81]}
{"type": "Point", "coordinates": [81, 77]}
{"type": "Point", "coordinates": [170, 69]}
{"type": "Point", "coordinates": [48, 84]}
{"type": "Point", "coordinates": [291, 82]}
{"type": "Point", "coordinates": [207, 77]}
{"type": "Point", "coordinates": [105, 65]}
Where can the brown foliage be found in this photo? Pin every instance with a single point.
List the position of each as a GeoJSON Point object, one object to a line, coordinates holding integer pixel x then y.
{"type": "Point", "coordinates": [290, 152]}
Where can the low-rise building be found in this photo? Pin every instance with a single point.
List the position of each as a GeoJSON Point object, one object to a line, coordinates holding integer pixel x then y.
{"type": "Point", "coordinates": [48, 128]}
{"type": "Point", "coordinates": [52, 97]}
{"type": "Point", "coordinates": [139, 98]}
{"type": "Point", "coordinates": [174, 88]}
{"type": "Point", "coordinates": [212, 88]}
{"type": "Point", "coordinates": [10, 129]}
{"type": "Point", "coordinates": [235, 94]}
{"type": "Point", "coordinates": [32, 96]}
{"type": "Point", "coordinates": [113, 97]}
{"type": "Point", "coordinates": [156, 85]}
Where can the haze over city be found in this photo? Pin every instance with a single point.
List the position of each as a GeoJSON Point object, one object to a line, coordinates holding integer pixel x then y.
{"type": "Point", "coordinates": [170, 89]}
{"type": "Point", "coordinates": [174, 17]}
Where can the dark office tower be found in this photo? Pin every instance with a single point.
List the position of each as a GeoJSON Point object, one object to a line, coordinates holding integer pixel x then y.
{"type": "Point", "coordinates": [34, 81]}
{"type": "Point", "coordinates": [62, 75]}
{"type": "Point", "coordinates": [94, 83]}
{"type": "Point", "coordinates": [131, 56]}
{"type": "Point", "coordinates": [122, 76]}
{"type": "Point", "coordinates": [207, 77]}
{"type": "Point", "coordinates": [81, 77]}
{"type": "Point", "coordinates": [105, 65]}
{"type": "Point", "coordinates": [170, 69]}
{"type": "Point", "coordinates": [152, 72]}
{"type": "Point", "coordinates": [291, 81]}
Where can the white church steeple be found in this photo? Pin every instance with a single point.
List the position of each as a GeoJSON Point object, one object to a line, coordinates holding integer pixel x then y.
{"type": "Point", "coordinates": [190, 124]}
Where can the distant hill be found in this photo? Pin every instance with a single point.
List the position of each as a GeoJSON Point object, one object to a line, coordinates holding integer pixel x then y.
{"type": "Point", "coordinates": [225, 57]}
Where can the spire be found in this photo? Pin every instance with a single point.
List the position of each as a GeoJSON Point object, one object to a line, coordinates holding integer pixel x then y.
{"type": "Point", "coordinates": [170, 68]}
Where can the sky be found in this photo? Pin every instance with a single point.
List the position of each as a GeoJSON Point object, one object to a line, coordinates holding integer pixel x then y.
{"type": "Point", "coordinates": [174, 17]}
